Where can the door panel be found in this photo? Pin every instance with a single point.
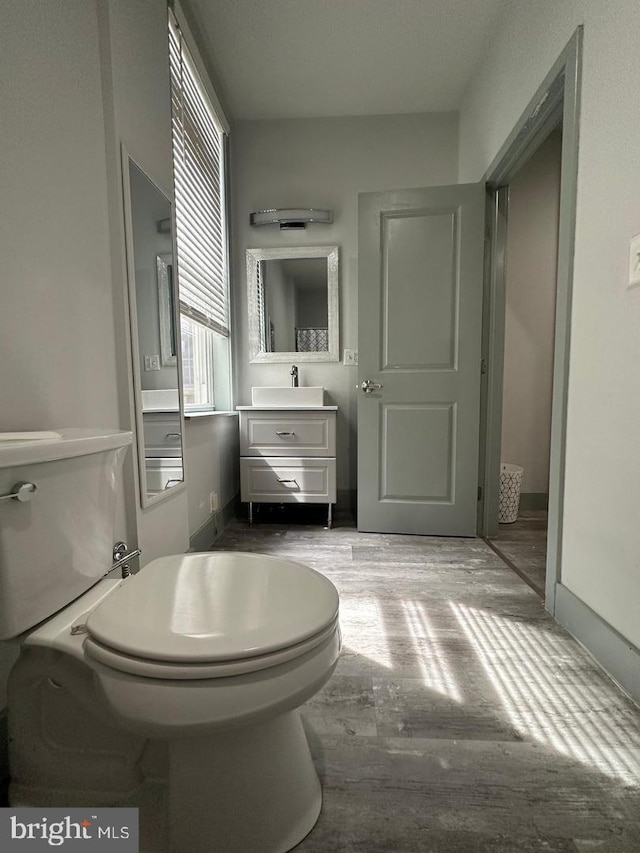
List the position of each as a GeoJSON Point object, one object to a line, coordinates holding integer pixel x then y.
{"type": "Point", "coordinates": [420, 323]}
{"type": "Point", "coordinates": [428, 475]}
{"type": "Point", "coordinates": [419, 289]}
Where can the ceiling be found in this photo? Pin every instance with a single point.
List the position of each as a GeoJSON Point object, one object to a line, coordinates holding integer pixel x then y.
{"type": "Point", "coordinates": [303, 58]}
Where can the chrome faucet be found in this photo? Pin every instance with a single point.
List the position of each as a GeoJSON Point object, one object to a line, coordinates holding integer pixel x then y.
{"type": "Point", "coordinates": [294, 375]}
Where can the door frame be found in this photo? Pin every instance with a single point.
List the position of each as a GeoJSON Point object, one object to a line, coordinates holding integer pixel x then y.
{"type": "Point", "coordinates": [556, 102]}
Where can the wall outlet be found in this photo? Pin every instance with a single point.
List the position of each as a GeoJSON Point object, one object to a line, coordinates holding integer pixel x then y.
{"type": "Point", "coordinates": [214, 504]}
{"type": "Point", "coordinates": [350, 356]}
{"type": "Point", "coordinates": [152, 362]}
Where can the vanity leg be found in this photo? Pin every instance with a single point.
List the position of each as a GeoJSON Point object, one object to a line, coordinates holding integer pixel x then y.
{"type": "Point", "coordinates": [329, 517]}
{"type": "Point", "coordinates": [250, 513]}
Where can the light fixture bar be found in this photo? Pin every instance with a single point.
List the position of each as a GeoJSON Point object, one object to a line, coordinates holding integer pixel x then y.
{"type": "Point", "coordinates": [291, 217]}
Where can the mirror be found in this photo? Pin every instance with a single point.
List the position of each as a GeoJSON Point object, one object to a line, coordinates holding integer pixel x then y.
{"type": "Point", "coordinates": [293, 304]}
{"type": "Point", "coordinates": [154, 335]}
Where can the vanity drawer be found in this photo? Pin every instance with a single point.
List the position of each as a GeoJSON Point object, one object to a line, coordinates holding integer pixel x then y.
{"type": "Point", "coordinates": [278, 480]}
{"type": "Point", "coordinates": [162, 435]}
{"type": "Point", "coordinates": [288, 433]}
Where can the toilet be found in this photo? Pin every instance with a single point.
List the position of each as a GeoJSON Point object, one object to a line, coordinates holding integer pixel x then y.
{"type": "Point", "coordinates": [176, 689]}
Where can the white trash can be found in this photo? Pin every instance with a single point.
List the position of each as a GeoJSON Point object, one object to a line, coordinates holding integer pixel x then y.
{"type": "Point", "coordinates": [510, 487]}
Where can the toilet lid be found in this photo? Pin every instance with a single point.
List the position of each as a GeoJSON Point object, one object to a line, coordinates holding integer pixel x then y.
{"type": "Point", "coordinates": [211, 607]}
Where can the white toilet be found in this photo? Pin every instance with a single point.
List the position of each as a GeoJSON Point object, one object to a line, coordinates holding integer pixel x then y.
{"type": "Point", "coordinates": [176, 689]}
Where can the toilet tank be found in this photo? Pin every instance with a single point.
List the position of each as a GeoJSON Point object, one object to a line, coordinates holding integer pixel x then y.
{"type": "Point", "coordinates": [59, 543]}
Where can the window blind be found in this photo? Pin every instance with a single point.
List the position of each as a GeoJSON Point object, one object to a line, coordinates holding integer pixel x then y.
{"type": "Point", "coordinates": [198, 150]}
{"type": "Point", "coordinates": [262, 308]}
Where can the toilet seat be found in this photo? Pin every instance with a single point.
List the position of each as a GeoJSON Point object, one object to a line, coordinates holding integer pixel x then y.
{"type": "Point", "coordinates": [169, 671]}
{"type": "Point", "coordinates": [212, 615]}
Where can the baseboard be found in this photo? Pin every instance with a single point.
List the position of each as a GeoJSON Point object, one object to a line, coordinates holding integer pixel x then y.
{"type": "Point", "coordinates": [534, 500]}
{"type": "Point", "coordinates": [619, 657]}
{"type": "Point", "coordinates": [214, 526]}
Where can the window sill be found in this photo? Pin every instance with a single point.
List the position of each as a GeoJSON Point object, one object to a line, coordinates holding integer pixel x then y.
{"type": "Point", "coordinates": [209, 414]}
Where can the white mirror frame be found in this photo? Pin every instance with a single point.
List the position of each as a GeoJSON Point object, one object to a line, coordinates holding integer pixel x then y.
{"type": "Point", "coordinates": [254, 256]}
{"type": "Point", "coordinates": [146, 500]}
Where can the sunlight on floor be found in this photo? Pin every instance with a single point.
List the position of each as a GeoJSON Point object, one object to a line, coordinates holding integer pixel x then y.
{"type": "Point", "coordinates": [556, 708]}
{"type": "Point", "coordinates": [359, 624]}
{"type": "Point", "coordinates": [436, 671]}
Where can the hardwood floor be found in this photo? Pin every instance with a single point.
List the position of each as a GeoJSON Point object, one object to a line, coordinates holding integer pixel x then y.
{"type": "Point", "coordinates": [461, 718]}
{"type": "Point", "coordinates": [523, 544]}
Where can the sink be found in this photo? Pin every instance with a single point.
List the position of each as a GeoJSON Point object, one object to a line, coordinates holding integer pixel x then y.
{"type": "Point", "coordinates": [306, 395]}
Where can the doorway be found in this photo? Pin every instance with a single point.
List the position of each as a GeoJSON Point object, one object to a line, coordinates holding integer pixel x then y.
{"type": "Point", "coordinates": [531, 267]}
{"type": "Point", "coordinates": [551, 119]}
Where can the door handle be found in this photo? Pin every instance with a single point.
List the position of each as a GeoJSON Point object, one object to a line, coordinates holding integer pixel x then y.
{"type": "Point", "coordinates": [369, 387]}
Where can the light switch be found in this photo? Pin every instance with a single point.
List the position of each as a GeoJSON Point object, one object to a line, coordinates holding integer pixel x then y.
{"type": "Point", "coordinates": [350, 356]}
{"type": "Point", "coordinates": [152, 362]}
{"type": "Point", "coordinates": [634, 261]}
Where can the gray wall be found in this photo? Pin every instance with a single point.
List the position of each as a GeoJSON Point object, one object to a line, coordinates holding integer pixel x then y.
{"type": "Point", "coordinates": [601, 536]}
{"type": "Point", "coordinates": [531, 268]}
{"type": "Point", "coordinates": [325, 163]}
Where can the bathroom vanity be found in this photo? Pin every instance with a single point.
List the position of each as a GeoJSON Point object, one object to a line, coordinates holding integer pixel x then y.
{"type": "Point", "coordinates": [288, 452]}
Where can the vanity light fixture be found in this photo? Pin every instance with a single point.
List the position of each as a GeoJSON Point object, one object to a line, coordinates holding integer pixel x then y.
{"type": "Point", "coordinates": [291, 217]}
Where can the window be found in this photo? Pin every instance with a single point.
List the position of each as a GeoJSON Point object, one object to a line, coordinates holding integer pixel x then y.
{"type": "Point", "coordinates": [201, 233]}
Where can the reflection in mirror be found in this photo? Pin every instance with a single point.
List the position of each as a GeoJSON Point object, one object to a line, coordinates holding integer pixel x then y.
{"type": "Point", "coordinates": [293, 303]}
{"type": "Point", "coordinates": [166, 303]}
{"type": "Point", "coordinates": [154, 336]}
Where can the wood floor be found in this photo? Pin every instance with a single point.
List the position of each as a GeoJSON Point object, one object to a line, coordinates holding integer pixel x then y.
{"type": "Point", "coordinates": [461, 718]}
{"type": "Point", "coordinates": [523, 545]}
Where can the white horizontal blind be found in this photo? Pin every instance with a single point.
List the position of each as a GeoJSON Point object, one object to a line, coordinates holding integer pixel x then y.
{"type": "Point", "coordinates": [262, 308]}
{"type": "Point", "coordinates": [198, 152]}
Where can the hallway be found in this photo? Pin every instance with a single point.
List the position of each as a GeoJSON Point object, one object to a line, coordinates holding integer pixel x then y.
{"type": "Point", "coordinates": [460, 717]}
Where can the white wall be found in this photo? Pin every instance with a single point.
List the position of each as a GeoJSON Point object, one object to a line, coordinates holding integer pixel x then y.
{"type": "Point", "coordinates": [56, 320]}
{"type": "Point", "coordinates": [531, 268]}
{"type": "Point", "coordinates": [280, 307]}
{"type": "Point", "coordinates": [325, 163]}
{"type": "Point", "coordinates": [213, 464]}
{"type": "Point", "coordinates": [57, 341]}
{"type": "Point", "coordinates": [601, 542]}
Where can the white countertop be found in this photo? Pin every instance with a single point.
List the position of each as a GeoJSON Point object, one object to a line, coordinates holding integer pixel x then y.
{"type": "Point", "coordinates": [287, 408]}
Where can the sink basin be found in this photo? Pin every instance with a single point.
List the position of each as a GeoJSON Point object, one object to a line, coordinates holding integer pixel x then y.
{"type": "Point", "coordinates": [306, 395]}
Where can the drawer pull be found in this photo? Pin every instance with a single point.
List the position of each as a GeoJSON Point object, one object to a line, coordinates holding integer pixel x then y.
{"type": "Point", "coordinates": [284, 480]}
{"type": "Point", "coordinates": [173, 435]}
{"type": "Point", "coordinates": [284, 432]}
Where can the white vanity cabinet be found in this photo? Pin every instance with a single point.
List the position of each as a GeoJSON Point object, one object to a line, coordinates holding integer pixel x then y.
{"type": "Point", "coordinates": [288, 455]}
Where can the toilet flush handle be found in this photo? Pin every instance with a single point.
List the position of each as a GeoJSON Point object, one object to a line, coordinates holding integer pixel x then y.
{"type": "Point", "coordinates": [20, 492]}
{"type": "Point", "coordinates": [122, 556]}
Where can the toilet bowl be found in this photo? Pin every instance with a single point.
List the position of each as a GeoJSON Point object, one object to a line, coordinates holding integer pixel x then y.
{"type": "Point", "coordinates": [185, 681]}
{"type": "Point", "coordinates": [213, 653]}
{"type": "Point", "coordinates": [198, 641]}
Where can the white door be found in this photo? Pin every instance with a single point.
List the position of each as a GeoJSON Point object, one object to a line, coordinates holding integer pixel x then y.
{"type": "Point", "coordinates": [419, 338]}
